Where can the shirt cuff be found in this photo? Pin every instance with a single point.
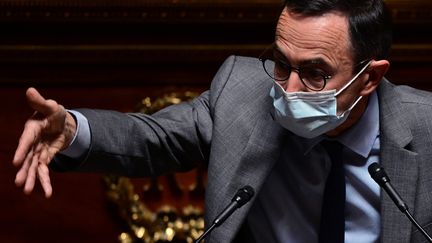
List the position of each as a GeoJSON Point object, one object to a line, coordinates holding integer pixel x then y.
{"type": "Point", "coordinates": [81, 141]}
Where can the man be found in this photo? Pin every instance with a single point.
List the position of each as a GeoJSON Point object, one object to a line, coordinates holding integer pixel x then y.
{"type": "Point", "coordinates": [319, 101]}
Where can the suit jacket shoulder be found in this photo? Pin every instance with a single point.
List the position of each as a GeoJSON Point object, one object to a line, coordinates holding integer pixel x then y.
{"type": "Point", "coordinates": [416, 107]}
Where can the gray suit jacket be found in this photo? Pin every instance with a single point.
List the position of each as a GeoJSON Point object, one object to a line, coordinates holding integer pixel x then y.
{"type": "Point", "coordinates": [230, 128]}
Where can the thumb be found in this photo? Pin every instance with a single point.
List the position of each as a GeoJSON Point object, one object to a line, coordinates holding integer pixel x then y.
{"type": "Point", "coordinates": [39, 103]}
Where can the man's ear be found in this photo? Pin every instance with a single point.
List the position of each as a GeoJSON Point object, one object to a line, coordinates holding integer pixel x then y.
{"type": "Point", "coordinates": [375, 71]}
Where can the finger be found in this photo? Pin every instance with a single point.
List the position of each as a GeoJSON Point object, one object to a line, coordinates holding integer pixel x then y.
{"type": "Point", "coordinates": [46, 155]}
{"type": "Point", "coordinates": [43, 175]}
{"type": "Point", "coordinates": [21, 175]}
{"type": "Point", "coordinates": [31, 176]}
{"type": "Point", "coordinates": [39, 103]}
{"type": "Point", "coordinates": [27, 140]}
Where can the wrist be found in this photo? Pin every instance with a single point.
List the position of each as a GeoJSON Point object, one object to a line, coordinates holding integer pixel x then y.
{"type": "Point", "coordinates": [70, 129]}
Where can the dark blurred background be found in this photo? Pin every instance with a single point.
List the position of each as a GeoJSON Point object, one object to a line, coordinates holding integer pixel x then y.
{"type": "Point", "coordinates": [111, 54]}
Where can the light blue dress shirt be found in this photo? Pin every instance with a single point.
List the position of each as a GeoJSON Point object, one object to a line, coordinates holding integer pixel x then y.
{"type": "Point", "coordinates": [288, 207]}
{"type": "Point", "coordinates": [81, 141]}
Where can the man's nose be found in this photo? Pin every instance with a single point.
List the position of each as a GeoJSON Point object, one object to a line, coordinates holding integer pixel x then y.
{"type": "Point", "coordinates": [294, 83]}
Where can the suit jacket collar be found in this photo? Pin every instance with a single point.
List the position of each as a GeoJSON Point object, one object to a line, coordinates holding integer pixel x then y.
{"type": "Point", "coordinates": [399, 162]}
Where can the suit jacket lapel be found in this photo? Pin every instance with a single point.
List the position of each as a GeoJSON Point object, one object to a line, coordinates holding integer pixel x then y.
{"type": "Point", "coordinates": [254, 166]}
{"type": "Point", "coordinates": [399, 162]}
{"type": "Point", "coordinates": [249, 167]}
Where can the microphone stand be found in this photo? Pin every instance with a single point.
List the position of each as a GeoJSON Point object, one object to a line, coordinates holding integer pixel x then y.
{"type": "Point", "coordinates": [205, 233]}
{"type": "Point", "coordinates": [381, 178]}
{"type": "Point", "coordinates": [417, 225]}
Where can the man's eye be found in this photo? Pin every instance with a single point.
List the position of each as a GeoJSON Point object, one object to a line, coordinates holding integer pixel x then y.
{"type": "Point", "coordinates": [313, 74]}
{"type": "Point", "coordinates": [282, 65]}
{"type": "Point", "coordinates": [281, 70]}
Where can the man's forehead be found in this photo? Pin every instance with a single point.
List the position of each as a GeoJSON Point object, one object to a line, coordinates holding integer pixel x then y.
{"type": "Point", "coordinates": [334, 17]}
{"type": "Point", "coordinates": [326, 34]}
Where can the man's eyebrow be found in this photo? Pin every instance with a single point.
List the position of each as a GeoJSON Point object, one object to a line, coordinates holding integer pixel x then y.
{"type": "Point", "coordinates": [311, 62]}
{"type": "Point", "coordinates": [316, 61]}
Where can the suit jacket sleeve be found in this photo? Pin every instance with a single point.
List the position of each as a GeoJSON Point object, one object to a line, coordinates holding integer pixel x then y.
{"type": "Point", "coordinates": [176, 138]}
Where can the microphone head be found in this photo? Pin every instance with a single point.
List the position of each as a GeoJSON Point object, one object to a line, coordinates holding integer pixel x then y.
{"type": "Point", "coordinates": [243, 195]}
{"type": "Point", "coordinates": [378, 174]}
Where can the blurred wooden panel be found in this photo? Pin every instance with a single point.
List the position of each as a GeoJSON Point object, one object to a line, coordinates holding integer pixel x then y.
{"type": "Point", "coordinates": [134, 43]}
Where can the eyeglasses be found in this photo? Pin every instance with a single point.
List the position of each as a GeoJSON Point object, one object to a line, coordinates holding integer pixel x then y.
{"type": "Point", "coordinates": [311, 77]}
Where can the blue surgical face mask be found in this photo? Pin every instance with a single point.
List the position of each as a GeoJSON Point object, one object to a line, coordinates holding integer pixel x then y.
{"type": "Point", "coordinates": [310, 114]}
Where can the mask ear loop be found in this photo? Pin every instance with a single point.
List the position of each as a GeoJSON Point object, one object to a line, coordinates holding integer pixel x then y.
{"type": "Point", "coordinates": [348, 84]}
{"type": "Point", "coordinates": [351, 107]}
{"type": "Point", "coordinates": [353, 79]}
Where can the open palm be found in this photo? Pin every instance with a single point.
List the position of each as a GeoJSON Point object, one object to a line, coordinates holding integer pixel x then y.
{"type": "Point", "coordinates": [48, 131]}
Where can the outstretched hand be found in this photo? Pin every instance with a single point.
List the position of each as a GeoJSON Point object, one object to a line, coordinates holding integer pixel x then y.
{"type": "Point", "coordinates": [50, 129]}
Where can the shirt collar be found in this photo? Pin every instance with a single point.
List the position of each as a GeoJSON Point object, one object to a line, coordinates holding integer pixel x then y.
{"type": "Point", "coordinates": [361, 136]}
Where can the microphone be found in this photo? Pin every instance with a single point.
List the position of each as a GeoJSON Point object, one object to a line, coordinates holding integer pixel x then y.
{"type": "Point", "coordinates": [242, 196]}
{"type": "Point", "coordinates": [380, 176]}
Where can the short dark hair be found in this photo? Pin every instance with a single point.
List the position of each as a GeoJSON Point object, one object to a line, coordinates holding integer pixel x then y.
{"type": "Point", "coordinates": [370, 24]}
